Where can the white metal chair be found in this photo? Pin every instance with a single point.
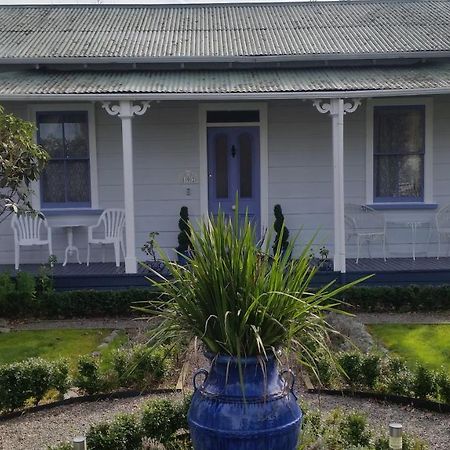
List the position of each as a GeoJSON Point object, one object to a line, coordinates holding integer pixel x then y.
{"type": "Point", "coordinates": [443, 226]}
{"type": "Point", "coordinates": [366, 225]}
{"type": "Point", "coordinates": [113, 222]}
{"type": "Point", "coordinates": [27, 232]}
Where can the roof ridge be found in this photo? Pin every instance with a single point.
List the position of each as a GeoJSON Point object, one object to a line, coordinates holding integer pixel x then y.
{"type": "Point", "coordinates": [305, 3]}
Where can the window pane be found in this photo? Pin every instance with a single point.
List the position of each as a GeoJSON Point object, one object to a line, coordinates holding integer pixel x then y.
{"type": "Point", "coordinates": [221, 153]}
{"type": "Point", "coordinates": [50, 136]}
{"type": "Point", "coordinates": [399, 129]}
{"type": "Point", "coordinates": [76, 135]}
{"type": "Point", "coordinates": [53, 183]}
{"type": "Point", "coordinates": [245, 165]}
{"type": "Point", "coordinates": [399, 177]}
{"type": "Point", "coordinates": [77, 179]}
{"type": "Point", "coordinates": [232, 116]}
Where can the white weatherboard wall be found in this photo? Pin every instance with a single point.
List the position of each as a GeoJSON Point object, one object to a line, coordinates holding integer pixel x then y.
{"type": "Point", "coordinates": [166, 144]}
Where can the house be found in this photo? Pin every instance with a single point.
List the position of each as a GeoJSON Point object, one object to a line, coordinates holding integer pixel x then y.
{"type": "Point", "coordinates": [308, 105]}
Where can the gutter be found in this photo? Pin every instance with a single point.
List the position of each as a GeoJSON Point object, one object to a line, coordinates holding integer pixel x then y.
{"type": "Point", "coordinates": [324, 57]}
{"type": "Point", "coordinates": [227, 96]}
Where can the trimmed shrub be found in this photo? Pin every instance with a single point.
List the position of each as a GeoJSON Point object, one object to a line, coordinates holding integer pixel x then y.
{"type": "Point", "coordinates": [443, 386]}
{"type": "Point", "coordinates": [397, 377]}
{"type": "Point", "coordinates": [423, 384]}
{"type": "Point", "coordinates": [98, 437]}
{"type": "Point", "coordinates": [370, 370]}
{"type": "Point", "coordinates": [160, 420]}
{"type": "Point", "coordinates": [29, 380]}
{"type": "Point", "coordinates": [354, 430]}
{"type": "Point", "coordinates": [88, 377]}
{"type": "Point", "coordinates": [125, 433]}
{"type": "Point", "coordinates": [351, 365]}
{"type": "Point", "coordinates": [140, 365]}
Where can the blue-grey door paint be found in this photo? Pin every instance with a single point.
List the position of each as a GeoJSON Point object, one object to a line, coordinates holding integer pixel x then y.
{"type": "Point", "coordinates": [233, 167]}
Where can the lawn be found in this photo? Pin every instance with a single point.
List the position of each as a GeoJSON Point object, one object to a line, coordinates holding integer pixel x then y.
{"type": "Point", "coordinates": [426, 344]}
{"type": "Point", "coordinates": [54, 344]}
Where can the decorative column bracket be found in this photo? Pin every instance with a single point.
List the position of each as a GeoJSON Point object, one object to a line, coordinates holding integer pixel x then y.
{"type": "Point", "coordinates": [126, 110]}
{"type": "Point", "coordinates": [337, 108]}
{"type": "Point", "coordinates": [331, 106]}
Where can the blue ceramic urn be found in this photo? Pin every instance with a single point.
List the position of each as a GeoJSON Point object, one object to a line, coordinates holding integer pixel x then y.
{"type": "Point", "coordinates": [260, 414]}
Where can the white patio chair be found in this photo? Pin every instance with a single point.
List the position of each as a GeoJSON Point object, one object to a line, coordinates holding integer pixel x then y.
{"type": "Point", "coordinates": [113, 222]}
{"type": "Point", "coordinates": [366, 225]}
{"type": "Point", "coordinates": [27, 232]}
{"type": "Point", "coordinates": [443, 226]}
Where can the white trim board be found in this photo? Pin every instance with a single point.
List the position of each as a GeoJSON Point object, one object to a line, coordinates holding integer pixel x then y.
{"type": "Point", "coordinates": [428, 158]}
{"type": "Point", "coordinates": [61, 107]}
{"type": "Point", "coordinates": [263, 158]}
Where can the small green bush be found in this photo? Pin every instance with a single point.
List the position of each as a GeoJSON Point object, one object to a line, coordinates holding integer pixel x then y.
{"type": "Point", "coordinates": [354, 430]}
{"type": "Point", "coordinates": [325, 370]}
{"type": "Point", "coordinates": [98, 437]}
{"type": "Point", "coordinates": [140, 366]}
{"type": "Point", "coordinates": [350, 363]}
{"type": "Point", "coordinates": [370, 370]}
{"type": "Point", "coordinates": [30, 379]}
{"type": "Point", "coordinates": [125, 433]}
{"type": "Point", "coordinates": [397, 377]}
{"type": "Point", "coordinates": [88, 377]}
{"type": "Point", "coordinates": [423, 384]}
{"type": "Point", "coordinates": [63, 446]}
{"type": "Point", "coordinates": [443, 386]}
{"type": "Point", "coordinates": [160, 420]}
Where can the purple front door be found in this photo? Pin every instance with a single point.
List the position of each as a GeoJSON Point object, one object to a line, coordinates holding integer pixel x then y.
{"type": "Point", "coordinates": [233, 167]}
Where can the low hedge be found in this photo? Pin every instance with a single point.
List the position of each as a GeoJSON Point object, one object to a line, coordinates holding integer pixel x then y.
{"type": "Point", "coordinates": [398, 299]}
{"type": "Point", "coordinates": [26, 296]}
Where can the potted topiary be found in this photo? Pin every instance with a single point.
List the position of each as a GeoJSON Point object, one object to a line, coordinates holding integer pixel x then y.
{"type": "Point", "coordinates": [282, 232]}
{"type": "Point", "coordinates": [246, 307]}
{"type": "Point", "coordinates": [184, 237]}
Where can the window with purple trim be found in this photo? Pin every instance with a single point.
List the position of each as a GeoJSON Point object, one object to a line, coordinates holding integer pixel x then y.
{"type": "Point", "coordinates": [399, 153]}
{"type": "Point", "coordinates": [65, 182]}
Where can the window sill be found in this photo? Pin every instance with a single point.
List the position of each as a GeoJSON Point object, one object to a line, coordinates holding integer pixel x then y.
{"type": "Point", "coordinates": [49, 212]}
{"type": "Point", "coordinates": [405, 205]}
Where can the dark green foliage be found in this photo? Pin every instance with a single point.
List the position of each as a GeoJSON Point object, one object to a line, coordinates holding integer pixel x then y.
{"type": "Point", "coordinates": [161, 419]}
{"type": "Point", "coordinates": [397, 377]}
{"type": "Point", "coordinates": [184, 237]}
{"type": "Point", "coordinates": [88, 377]}
{"type": "Point", "coordinates": [125, 433]}
{"type": "Point", "coordinates": [325, 370]}
{"type": "Point", "coordinates": [354, 429]}
{"type": "Point", "coordinates": [423, 382]}
{"type": "Point", "coordinates": [30, 380]}
{"type": "Point", "coordinates": [350, 363]}
{"type": "Point", "coordinates": [443, 386]}
{"type": "Point", "coordinates": [50, 304]}
{"type": "Point", "coordinates": [399, 299]}
{"type": "Point", "coordinates": [370, 370]}
{"type": "Point", "coordinates": [140, 366]}
{"type": "Point", "coordinates": [282, 232]}
{"type": "Point", "coordinates": [98, 437]}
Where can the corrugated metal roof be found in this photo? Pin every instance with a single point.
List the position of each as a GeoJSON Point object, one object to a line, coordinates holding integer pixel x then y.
{"type": "Point", "coordinates": [306, 29]}
{"type": "Point", "coordinates": [29, 83]}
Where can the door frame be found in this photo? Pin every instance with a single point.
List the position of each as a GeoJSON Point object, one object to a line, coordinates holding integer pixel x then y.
{"type": "Point", "coordinates": [263, 152]}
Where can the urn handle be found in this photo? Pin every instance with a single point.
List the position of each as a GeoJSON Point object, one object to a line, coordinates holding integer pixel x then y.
{"type": "Point", "coordinates": [196, 374]}
{"type": "Point", "coordinates": [288, 385]}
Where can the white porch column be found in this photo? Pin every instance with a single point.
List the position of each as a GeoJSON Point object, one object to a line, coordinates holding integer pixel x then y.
{"type": "Point", "coordinates": [337, 108]}
{"type": "Point", "coordinates": [126, 110]}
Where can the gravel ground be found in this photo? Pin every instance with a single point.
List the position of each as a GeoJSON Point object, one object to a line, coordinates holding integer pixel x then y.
{"type": "Point", "coordinates": [430, 426]}
{"type": "Point", "coordinates": [36, 431]}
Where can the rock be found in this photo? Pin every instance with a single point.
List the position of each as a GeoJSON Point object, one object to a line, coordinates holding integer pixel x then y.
{"type": "Point", "coordinates": [5, 330]}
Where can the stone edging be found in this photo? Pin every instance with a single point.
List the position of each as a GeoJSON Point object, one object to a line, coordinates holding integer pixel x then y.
{"type": "Point", "coordinates": [85, 398]}
{"type": "Point", "coordinates": [398, 399]}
